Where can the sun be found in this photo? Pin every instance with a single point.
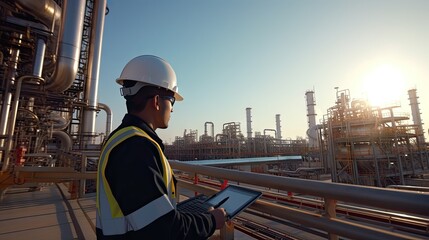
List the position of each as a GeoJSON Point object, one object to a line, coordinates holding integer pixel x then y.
{"type": "Point", "coordinates": [384, 85]}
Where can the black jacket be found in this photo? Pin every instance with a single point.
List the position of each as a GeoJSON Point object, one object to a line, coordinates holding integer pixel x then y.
{"type": "Point", "coordinates": [134, 173]}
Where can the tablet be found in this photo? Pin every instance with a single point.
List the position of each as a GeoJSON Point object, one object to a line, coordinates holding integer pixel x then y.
{"type": "Point", "coordinates": [234, 199]}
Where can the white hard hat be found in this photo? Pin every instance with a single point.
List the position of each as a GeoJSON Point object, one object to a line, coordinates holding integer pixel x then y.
{"type": "Point", "coordinates": [149, 70]}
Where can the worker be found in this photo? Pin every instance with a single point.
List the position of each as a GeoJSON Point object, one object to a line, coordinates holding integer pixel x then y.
{"type": "Point", "coordinates": [136, 188]}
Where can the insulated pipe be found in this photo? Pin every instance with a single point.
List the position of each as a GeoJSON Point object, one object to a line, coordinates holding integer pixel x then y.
{"type": "Point", "coordinates": [91, 86]}
{"type": "Point", "coordinates": [49, 13]}
{"type": "Point", "coordinates": [60, 122]}
{"type": "Point", "coordinates": [39, 58]}
{"type": "Point", "coordinates": [46, 11]}
{"type": "Point", "coordinates": [109, 117]}
{"type": "Point", "coordinates": [69, 48]}
{"type": "Point", "coordinates": [66, 142]}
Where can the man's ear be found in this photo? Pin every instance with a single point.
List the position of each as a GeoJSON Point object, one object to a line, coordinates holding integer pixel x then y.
{"type": "Point", "coordinates": [155, 102]}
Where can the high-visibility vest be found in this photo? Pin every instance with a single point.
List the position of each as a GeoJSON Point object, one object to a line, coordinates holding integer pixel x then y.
{"type": "Point", "coordinates": [109, 215]}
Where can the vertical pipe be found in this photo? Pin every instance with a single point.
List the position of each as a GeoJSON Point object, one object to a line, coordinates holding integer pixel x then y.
{"type": "Point", "coordinates": [249, 122]}
{"type": "Point", "coordinates": [109, 117]}
{"type": "Point", "coordinates": [39, 58]}
{"type": "Point", "coordinates": [91, 86]}
{"type": "Point", "coordinates": [7, 99]}
{"type": "Point", "coordinates": [69, 46]}
{"type": "Point", "coordinates": [205, 129]}
{"type": "Point", "coordinates": [12, 120]}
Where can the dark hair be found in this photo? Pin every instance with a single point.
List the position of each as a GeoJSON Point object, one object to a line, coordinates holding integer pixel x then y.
{"type": "Point", "coordinates": [137, 102]}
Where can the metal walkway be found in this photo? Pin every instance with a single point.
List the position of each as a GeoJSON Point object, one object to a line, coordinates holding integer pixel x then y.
{"type": "Point", "coordinates": [43, 214]}
{"type": "Point", "coordinates": [48, 213]}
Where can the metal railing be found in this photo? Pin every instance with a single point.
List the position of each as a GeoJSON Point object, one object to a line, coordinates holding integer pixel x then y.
{"type": "Point", "coordinates": [324, 220]}
{"type": "Point", "coordinates": [413, 203]}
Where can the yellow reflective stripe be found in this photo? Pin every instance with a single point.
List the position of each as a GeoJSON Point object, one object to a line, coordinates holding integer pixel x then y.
{"type": "Point", "coordinates": [136, 220]}
{"type": "Point", "coordinates": [168, 173]}
{"type": "Point", "coordinates": [116, 139]}
{"type": "Point", "coordinates": [115, 222]}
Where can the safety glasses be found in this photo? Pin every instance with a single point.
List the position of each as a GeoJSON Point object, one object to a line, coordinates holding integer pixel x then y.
{"type": "Point", "coordinates": [171, 99]}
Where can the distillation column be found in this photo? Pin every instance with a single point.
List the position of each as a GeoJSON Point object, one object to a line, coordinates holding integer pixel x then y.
{"type": "Point", "coordinates": [278, 127]}
{"type": "Point", "coordinates": [249, 122]}
{"type": "Point", "coordinates": [415, 111]}
{"type": "Point", "coordinates": [311, 114]}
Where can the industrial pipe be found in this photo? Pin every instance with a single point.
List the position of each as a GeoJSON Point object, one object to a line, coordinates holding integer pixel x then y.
{"type": "Point", "coordinates": [205, 128]}
{"type": "Point", "coordinates": [108, 119]}
{"type": "Point", "coordinates": [7, 101]}
{"type": "Point", "coordinates": [12, 120]}
{"type": "Point", "coordinates": [66, 141]}
{"type": "Point", "coordinates": [69, 48]}
{"type": "Point", "coordinates": [47, 11]}
{"type": "Point", "coordinates": [91, 85]}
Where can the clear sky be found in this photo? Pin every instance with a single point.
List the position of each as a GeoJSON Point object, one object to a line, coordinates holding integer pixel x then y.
{"type": "Point", "coordinates": [232, 54]}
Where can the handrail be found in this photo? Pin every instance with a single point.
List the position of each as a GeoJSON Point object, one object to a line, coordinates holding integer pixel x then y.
{"type": "Point", "coordinates": [408, 202]}
{"type": "Point", "coordinates": [401, 201]}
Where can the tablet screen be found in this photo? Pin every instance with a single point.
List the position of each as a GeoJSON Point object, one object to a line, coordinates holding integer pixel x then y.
{"type": "Point", "coordinates": [238, 199]}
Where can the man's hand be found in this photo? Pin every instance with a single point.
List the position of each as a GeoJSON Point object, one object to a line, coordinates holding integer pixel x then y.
{"type": "Point", "coordinates": [220, 216]}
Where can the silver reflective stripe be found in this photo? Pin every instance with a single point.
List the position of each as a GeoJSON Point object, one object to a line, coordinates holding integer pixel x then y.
{"type": "Point", "coordinates": [112, 226]}
{"type": "Point", "coordinates": [136, 220]}
{"type": "Point", "coordinates": [149, 213]}
{"type": "Point", "coordinates": [109, 225]}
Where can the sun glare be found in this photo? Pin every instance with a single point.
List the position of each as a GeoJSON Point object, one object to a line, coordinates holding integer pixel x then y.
{"type": "Point", "coordinates": [384, 85]}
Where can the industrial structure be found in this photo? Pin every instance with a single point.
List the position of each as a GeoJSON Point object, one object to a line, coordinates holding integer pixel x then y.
{"type": "Point", "coordinates": [375, 146]}
{"type": "Point", "coordinates": [311, 115]}
{"type": "Point", "coordinates": [355, 143]}
{"type": "Point", "coordinates": [50, 55]}
{"type": "Point", "coordinates": [49, 73]}
{"type": "Point", "coordinates": [232, 144]}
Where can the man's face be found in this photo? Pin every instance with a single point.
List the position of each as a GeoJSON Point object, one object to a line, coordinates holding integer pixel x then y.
{"type": "Point", "coordinates": [165, 110]}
